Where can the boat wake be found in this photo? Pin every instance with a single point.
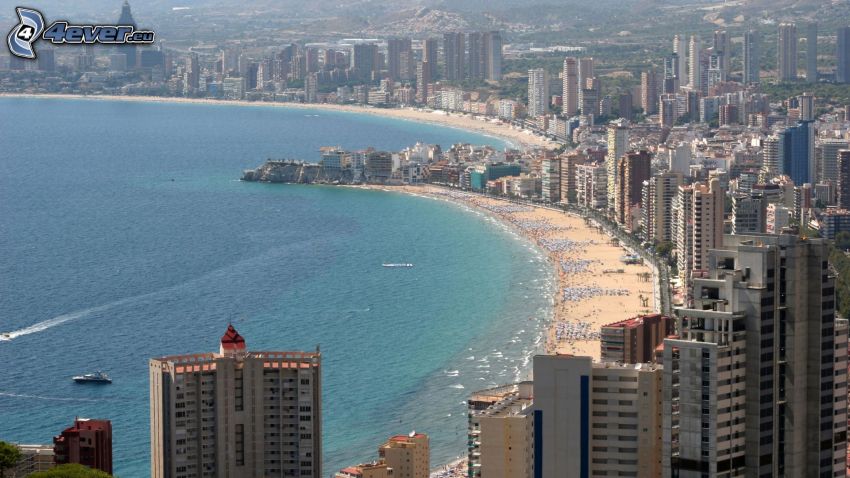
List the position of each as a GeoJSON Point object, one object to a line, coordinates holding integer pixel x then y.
{"type": "Point", "coordinates": [59, 320]}
{"type": "Point", "coordinates": [55, 399]}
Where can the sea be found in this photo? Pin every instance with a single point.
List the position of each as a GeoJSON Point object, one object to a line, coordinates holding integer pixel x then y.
{"type": "Point", "coordinates": [126, 234]}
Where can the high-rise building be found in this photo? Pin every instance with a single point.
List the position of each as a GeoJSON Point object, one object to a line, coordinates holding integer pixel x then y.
{"type": "Point", "coordinates": [568, 181]}
{"type": "Point", "coordinates": [698, 217]}
{"type": "Point", "coordinates": [493, 56]}
{"type": "Point", "coordinates": [633, 168]}
{"type": "Point", "coordinates": [634, 340]}
{"type": "Point", "coordinates": [128, 49]}
{"type": "Point", "coordinates": [624, 106]}
{"type": "Point", "coordinates": [47, 59]}
{"type": "Point", "coordinates": [812, 52]}
{"type": "Point", "coordinates": [722, 47]}
{"type": "Point", "coordinates": [842, 55]}
{"type": "Point", "coordinates": [538, 92]}
{"type": "Point", "coordinates": [680, 48]}
{"type": "Point", "coordinates": [826, 160]}
{"type": "Point", "coordinates": [194, 70]}
{"type": "Point", "coordinates": [364, 60]}
{"type": "Point", "coordinates": [596, 419]}
{"type": "Point", "coordinates": [773, 156]}
{"type": "Point", "coordinates": [454, 46]}
{"type": "Point", "coordinates": [236, 413]}
{"type": "Point", "coordinates": [570, 93]}
{"type": "Point", "coordinates": [592, 186]}
{"type": "Point", "coordinates": [657, 206]}
{"type": "Point", "coordinates": [585, 71]}
{"type": "Point", "coordinates": [806, 103]}
{"type": "Point", "coordinates": [475, 68]}
{"type": "Point", "coordinates": [398, 50]}
{"type": "Point", "coordinates": [798, 144]}
{"type": "Point", "coordinates": [88, 442]}
{"type": "Point", "coordinates": [708, 217]}
{"type": "Point", "coordinates": [748, 214]}
{"type": "Point", "coordinates": [430, 53]}
{"type": "Point", "coordinates": [786, 50]}
{"type": "Point", "coordinates": [843, 183]}
{"type": "Point", "coordinates": [551, 179]}
{"type": "Point", "coordinates": [618, 144]}
{"type": "Point", "coordinates": [501, 432]}
{"type": "Point", "coordinates": [423, 79]}
{"type": "Point", "coordinates": [409, 456]}
{"type": "Point", "coordinates": [311, 88]}
{"type": "Point", "coordinates": [752, 57]}
{"type": "Point", "coordinates": [649, 92]}
{"type": "Point", "coordinates": [756, 384]}
{"type": "Point", "coordinates": [695, 63]}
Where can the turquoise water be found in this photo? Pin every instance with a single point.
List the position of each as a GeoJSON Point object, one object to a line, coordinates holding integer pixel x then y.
{"type": "Point", "coordinates": [124, 236]}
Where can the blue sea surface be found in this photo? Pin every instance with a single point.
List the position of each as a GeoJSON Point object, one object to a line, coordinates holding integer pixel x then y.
{"type": "Point", "coordinates": [125, 234]}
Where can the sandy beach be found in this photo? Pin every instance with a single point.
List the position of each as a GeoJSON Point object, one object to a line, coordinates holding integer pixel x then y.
{"type": "Point", "coordinates": [517, 137]}
{"type": "Point", "coordinates": [594, 286]}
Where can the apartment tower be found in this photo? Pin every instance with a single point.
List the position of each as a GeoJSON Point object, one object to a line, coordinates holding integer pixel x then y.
{"type": "Point", "coordinates": [236, 413]}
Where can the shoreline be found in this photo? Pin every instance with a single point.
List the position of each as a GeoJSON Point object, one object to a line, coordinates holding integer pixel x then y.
{"type": "Point", "coordinates": [511, 136]}
{"type": "Point", "coordinates": [594, 288]}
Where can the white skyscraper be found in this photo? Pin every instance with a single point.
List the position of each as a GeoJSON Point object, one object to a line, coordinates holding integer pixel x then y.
{"type": "Point", "coordinates": [694, 64]}
{"type": "Point", "coordinates": [680, 48]}
{"type": "Point", "coordinates": [538, 92]}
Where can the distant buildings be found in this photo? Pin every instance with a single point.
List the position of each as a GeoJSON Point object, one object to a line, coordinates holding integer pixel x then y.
{"type": "Point", "coordinates": [236, 413]}
{"type": "Point", "coordinates": [786, 51]}
{"type": "Point", "coordinates": [812, 52]}
{"type": "Point", "coordinates": [538, 92]}
{"type": "Point", "coordinates": [752, 57]}
{"type": "Point", "coordinates": [842, 55]}
{"type": "Point", "coordinates": [570, 88]}
{"type": "Point", "coordinates": [618, 144]}
{"type": "Point", "coordinates": [843, 182]}
{"type": "Point", "coordinates": [88, 442]}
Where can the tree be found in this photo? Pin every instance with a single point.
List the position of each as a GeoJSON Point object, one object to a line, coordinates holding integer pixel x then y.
{"type": "Point", "coordinates": [842, 241]}
{"type": "Point", "coordinates": [71, 470]}
{"type": "Point", "coordinates": [9, 457]}
{"type": "Point", "coordinates": [663, 249]}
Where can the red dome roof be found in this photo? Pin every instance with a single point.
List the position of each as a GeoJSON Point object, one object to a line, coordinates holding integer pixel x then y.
{"type": "Point", "coordinates": [231, 340]}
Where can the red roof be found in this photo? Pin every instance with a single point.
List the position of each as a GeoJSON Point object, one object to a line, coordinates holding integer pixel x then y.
{"type": "Point", "coordinates": [231, 340]}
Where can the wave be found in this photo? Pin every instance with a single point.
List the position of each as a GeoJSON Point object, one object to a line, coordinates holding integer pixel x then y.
{"type": "Point", "coordinates": [457, 386]}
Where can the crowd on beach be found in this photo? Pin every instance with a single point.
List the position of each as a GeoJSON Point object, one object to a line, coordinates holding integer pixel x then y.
{"type": "Point", "coordinates": [574, 294]}
{"type": "Point", "coordinates": [575, 330]}
{"type": "Point", "coordinates": [457, 469]}
{"type": "Point", "coordinates": [577, 266]}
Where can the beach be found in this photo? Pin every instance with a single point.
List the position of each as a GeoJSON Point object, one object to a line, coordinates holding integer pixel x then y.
{"type": "Point", "coordinates": [595, 287]}
{"type": "Point", "coordinates": [517, 137]}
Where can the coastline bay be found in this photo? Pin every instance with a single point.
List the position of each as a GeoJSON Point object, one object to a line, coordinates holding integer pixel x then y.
{"type": "Point", "coordinates": [132, 235]}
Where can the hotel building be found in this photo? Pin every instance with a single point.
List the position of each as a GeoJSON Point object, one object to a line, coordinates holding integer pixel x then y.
{"type": "Point", "coordinates": [88, 442]}
{"type": "Point", "coordinates": [236, 413]}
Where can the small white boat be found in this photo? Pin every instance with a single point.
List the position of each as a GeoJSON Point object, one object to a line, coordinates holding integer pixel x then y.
{"type": "Point", "coordinates": [5, 336]}
{"type": "Point", "coordinates": [96, 377]}
{"type": "Point", "coordinates": [397, 265]}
